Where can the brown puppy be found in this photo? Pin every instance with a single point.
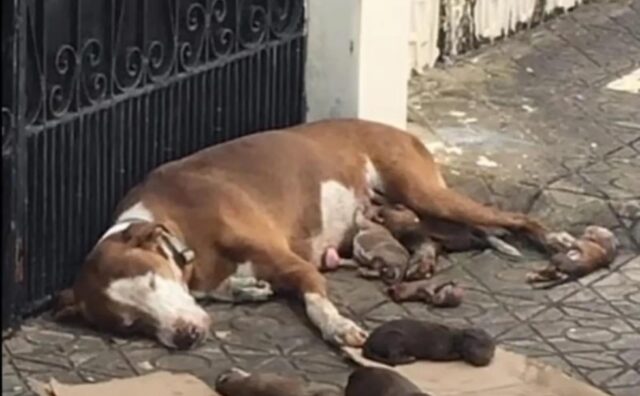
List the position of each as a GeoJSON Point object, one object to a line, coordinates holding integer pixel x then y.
{"type": "Point", "coordinates": [426, 239]}
{"type": "Point", "coordinates": [236, 382]}
{"type": "Point", "coordinates": [374, 381]}
{"type": "Point", "coordinates": [375, 249]}
{"type": "Point", "coordinates": [444, 295]}
{"type": "Point", "coordinates": [595, 249]}
{"type": "Point", "coordinates": [406, 340]}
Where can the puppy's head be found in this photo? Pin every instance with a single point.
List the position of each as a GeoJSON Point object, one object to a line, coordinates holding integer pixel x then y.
{"type": "Point", "coordinates": [396, 217]}
{"type": "Point", "coordinates": [477, 347]}
{"type": "Point", "coordinates": [390, 273]}
{"type": "Point", "coordinates": [230, 379]}
{"type": "Point", "coordinates": [603, 237]}
{"type": "Point", "coordinates": [448, 295]}
{"type": "Point", "coordinates": [236, 382]}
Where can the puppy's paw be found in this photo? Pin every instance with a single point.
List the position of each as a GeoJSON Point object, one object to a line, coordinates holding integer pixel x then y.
{"type": "Point", "coordinates": [534, 276]}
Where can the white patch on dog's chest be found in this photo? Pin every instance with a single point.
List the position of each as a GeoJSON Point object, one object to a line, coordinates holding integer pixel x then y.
{"type": "Point", "coordinates": [338, 205]}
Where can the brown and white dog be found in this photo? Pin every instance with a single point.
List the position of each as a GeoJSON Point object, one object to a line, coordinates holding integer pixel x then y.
{"type": "Point", "coordinates": [263, 208]}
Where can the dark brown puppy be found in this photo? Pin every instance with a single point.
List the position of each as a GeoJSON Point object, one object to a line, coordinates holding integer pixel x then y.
{"type": "Point", "coordinates": [444, 295]}
{"type": "Point", "coordinates": [427, 238]}
{"type": "Point", "coordinates": [236, 382]}
{"type": "Point", "coordinates": [595, 249]}
{"type": "Point", "coordinates": [373, 381]}
{"type": "Point", "coordinates": [406, 340]}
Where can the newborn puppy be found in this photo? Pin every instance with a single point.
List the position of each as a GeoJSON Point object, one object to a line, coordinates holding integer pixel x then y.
{"type": "Point", "coordinates": [373, 381]}
{"type": "Point", "coordinates": [444, 295]}
{"type": "Point", "coordinates": [595, 249]}
{"type": "Point", "coordinates": [406, 340]}
{"type": "Point", "coordinates": [236, 382]}
{"type": "Point", "coordinates": [427, 238]}
{"type": "Point", "coordinates": [375, 249]}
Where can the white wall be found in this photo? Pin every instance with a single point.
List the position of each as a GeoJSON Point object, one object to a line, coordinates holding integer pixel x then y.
{"type": "Point", "coordinates": [358, 60]}
{"type": "Point", "coordinates": [423, 33]}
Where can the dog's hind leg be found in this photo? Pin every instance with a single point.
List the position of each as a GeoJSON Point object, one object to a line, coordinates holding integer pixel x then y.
{"type": "Point", "coordinates": [414, 180]}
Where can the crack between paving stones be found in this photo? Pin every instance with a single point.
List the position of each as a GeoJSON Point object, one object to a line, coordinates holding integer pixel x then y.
{"type": "Point", "coordinates": [622, 225]}
{"type": "Point", "coordinates": [128, 361]}
{"type": "Point", "coordinates": [18, 372]}
{"type": "Point", "coordinates": [579, 50]}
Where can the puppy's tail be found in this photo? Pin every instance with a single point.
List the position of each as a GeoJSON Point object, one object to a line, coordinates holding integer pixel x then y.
{"type": "Point", "coordinates": [556, 283]}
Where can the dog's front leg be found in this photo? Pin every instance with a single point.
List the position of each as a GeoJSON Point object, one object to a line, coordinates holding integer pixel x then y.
{"type": "Point", "coordinates": [286, 270]}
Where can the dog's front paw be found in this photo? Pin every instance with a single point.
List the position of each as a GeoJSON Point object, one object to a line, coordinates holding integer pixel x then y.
{"type": "Point", "coordinates": [345, 332]}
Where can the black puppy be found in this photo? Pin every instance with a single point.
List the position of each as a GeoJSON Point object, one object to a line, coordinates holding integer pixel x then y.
{"type": "Point", "coordinates": [404, 341]}
{"type": "Point", "coordinates": [372, 381]}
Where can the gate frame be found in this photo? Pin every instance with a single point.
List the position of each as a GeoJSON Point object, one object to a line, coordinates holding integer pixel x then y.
{"type": "Point", "coordinates": [13, 259]}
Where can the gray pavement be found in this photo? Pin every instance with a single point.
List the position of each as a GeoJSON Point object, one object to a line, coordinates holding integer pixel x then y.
{"type": "Point", "coordinates": [527, 124]}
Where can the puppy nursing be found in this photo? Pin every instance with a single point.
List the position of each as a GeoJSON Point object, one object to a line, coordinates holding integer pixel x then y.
{"type": "Point", "coordinates": [427, 238]}
{"type": "Point", "coordinates": [595, 249]}
{"type": "Point", "coordinates": [375, 250]}
{"type": "Point", "coordinates": [405, 341]}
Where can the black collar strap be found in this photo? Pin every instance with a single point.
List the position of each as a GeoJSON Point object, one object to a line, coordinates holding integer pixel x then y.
{"type": "Point", "coordinates": [181, 253]}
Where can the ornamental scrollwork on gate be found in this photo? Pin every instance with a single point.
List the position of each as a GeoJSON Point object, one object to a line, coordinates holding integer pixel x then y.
{"type": "Point", "coordinates": [112, 49]}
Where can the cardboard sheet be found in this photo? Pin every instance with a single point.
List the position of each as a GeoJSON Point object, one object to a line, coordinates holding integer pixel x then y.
{"type": "Point", "coordinates": [510, 374]}
{"type": "Point", "coordinates": [160, 383]}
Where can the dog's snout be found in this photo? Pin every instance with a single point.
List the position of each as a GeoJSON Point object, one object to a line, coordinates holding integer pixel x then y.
{"type": "Point", "coordinates": [187, 336]}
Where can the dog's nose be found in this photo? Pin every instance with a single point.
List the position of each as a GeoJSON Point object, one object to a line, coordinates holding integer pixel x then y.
{"type": "Point", "coordinates": [187, 336]}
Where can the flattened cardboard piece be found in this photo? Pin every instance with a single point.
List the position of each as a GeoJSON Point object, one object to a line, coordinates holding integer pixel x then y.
{"type": "Point", "coordinates": [509, 374]}
{"type": "Point", "coordinates": [160, 383]}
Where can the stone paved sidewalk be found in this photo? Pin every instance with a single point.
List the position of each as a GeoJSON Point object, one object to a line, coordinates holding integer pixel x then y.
{"type": "Point", "coordinates": [550, 139]}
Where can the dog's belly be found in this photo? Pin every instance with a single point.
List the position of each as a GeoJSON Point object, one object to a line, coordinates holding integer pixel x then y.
{"type": "Point", "coordinates": [338, 205]}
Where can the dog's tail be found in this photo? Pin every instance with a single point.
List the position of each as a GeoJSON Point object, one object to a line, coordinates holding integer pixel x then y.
{"type": "Point", "coordinates": [556, 283]}
{"type": "Point", "coordinates": [451, 205]}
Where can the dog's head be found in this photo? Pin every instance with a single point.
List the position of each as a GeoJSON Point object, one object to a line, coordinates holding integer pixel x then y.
{"type": "Point", "coordinates": [135, 281]}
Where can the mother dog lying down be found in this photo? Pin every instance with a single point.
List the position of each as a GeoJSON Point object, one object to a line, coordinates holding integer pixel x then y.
{"type": "Point", "coordinates": [266, 206]}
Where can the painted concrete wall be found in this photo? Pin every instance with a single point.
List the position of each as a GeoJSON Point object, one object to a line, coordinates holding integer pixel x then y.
{"type": "Point", "coordinates": [358, 60]}
{"type": "Point", "coordinates": [332, 60]}
{"type": "Point", "coordinates": [464, 24]}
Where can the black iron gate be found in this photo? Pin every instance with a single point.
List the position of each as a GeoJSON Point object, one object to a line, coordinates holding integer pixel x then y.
{"type": "Point", "coordinates": [98, 92]}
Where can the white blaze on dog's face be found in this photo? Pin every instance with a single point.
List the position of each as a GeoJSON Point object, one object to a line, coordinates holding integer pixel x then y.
{"type": "Point", "coordinates": [132, 283]}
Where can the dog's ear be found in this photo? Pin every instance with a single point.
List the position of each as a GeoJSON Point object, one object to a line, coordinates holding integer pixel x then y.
{"type": "Point", "coordinates": [66, 306]}
{"type": "Point", "coordinates": [139, 234]}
